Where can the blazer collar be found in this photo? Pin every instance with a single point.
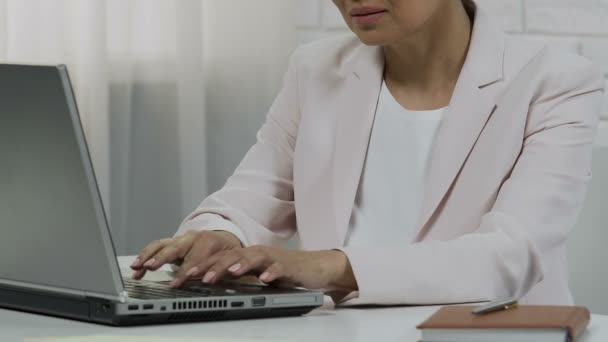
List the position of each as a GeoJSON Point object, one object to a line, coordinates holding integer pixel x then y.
{"type": "Point", "coordinates": [473, 101]}
{"type": "Point", "coordinates": [485, 58]}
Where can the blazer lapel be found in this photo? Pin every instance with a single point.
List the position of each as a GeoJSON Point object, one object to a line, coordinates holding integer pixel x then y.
{"type": "Point", "coordinates": [473, 102]}
{"type": "Point", "coordinates": [356, 108]}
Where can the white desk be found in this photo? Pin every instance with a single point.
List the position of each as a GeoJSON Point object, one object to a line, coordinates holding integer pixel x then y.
{"type": "Point", "coordinates": [325, 324]}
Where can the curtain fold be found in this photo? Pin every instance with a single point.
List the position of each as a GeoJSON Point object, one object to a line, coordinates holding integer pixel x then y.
{"type": "Point", "coordinates": [156, 82]}
{"type": "Point", "coordinates": [136, 68]}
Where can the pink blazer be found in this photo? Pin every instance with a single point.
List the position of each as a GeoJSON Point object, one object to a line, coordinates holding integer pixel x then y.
{"type": "Point", "coordinates": [508, 174]}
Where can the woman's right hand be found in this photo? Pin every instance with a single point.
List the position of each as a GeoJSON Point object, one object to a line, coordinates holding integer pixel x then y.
{"type": "Point", "coordinates": [188, 250]}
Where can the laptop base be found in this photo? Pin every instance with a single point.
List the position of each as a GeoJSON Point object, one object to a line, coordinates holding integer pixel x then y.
{"type": "Point", "coordinates": [103, 311]}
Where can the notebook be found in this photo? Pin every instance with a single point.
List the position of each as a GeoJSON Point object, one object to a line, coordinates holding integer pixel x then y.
{"type": "Point", "coordinates": [524, 323]}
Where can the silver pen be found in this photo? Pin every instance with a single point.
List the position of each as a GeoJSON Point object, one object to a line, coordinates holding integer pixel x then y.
{"type": "Point", "coordinates": [495, 306]}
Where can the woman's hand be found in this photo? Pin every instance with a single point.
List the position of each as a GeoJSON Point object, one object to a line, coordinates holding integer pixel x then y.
{"type": "Point", "coordinates": [329, 270]}
{"type": "Point", "coordinates": [190, 249]}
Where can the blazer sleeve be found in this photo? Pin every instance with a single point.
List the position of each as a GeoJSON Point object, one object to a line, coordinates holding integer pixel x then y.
{"type": "Point", "coordinates": [502, 258]}
{"type": "Point", "coordinates": [257, 202]}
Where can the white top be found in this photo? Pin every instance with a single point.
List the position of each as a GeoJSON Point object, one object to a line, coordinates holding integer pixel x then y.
{"type": "Point", "coordinates": [390, 191]}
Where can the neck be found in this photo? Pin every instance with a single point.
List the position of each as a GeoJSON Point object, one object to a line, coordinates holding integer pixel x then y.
{"type": "Point", "coordinates": [432, 57]}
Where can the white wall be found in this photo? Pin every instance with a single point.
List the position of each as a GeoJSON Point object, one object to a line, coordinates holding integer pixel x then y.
{"type": "Point", "coordinates": [588, 250]}
{"type": "Point", "coordinates": [580, 26]}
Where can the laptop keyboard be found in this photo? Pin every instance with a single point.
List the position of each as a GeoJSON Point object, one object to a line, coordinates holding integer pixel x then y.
{"type": "Point", "coordinates": [141, 289]}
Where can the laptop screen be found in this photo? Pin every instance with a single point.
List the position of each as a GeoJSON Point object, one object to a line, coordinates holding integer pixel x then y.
{"type": "Point", "coordinates": [54, 231]}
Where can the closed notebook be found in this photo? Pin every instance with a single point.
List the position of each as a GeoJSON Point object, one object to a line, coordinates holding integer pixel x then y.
{"type": "Point", "coordinates": [523, 323]}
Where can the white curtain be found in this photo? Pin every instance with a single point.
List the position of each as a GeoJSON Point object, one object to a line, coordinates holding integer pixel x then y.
{"type": "Point", "coordinates": [248, 43]}
{"type": "Point", "coordinates": [139, 69]}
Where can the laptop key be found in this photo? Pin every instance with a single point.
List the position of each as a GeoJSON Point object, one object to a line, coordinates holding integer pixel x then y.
{"type": "Point", "coordinates": [149, 290]}
{"type": "Point", "coordinates": [199, 289]}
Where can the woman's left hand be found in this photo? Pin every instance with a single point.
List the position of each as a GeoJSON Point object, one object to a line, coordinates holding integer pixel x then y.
{"type": "Point", "coordinates": [328, 270]}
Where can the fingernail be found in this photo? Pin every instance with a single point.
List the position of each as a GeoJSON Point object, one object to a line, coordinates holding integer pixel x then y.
{"type": "Point", "coordinates": [135, 263]}
{"type": "Point", "coordinates": [234, 268]}
{"type": "Point", "coordinates": [192, 271]}
{"type": "Point", "coordinates": [265, 276]}
{"type": "Point", "coordinates": [150, 262]}
{"type": "Point", "coordinates": [208, 277]}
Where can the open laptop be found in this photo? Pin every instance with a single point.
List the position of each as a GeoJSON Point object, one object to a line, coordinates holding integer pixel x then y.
{"type": "Point", "coordinates": [56, 252]}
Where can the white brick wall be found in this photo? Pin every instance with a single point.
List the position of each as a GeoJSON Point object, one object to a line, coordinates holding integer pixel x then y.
{"type": "Point", "coordinates": [579, 26]}
{"type": "Point", "coordinates": [585, 17]}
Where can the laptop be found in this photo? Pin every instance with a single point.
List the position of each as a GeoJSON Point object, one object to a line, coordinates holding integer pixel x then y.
{"type": "Point", "coordinates": [56, 253]}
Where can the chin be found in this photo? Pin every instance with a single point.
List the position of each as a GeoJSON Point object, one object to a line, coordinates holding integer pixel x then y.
{"type": "Point", "coordinates": [372, 38]}
{"type": "Point", "coordinates": [374, 35]}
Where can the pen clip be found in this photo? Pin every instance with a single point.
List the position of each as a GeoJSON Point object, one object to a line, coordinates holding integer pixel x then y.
{"type": "Point", "coordinates": [495, 306]}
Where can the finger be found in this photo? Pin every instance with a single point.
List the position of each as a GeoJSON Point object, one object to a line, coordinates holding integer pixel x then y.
{"type": "Point", "coordinates": [149, 251]}
{"type": "Point", "coordinates": [175, 250]}
{"type": "Point", "coordinates": [272, 273]}
{"type": "Point", "coordinates": [199, 253]}
{"type": "Point", "coordinates": [219, 269]}
{"type": "Point", "coordinates": [166, 255]}
{"type": "Point", "coordinates": [139, 274]}
{"type": "Point", "coordinates": [252, 260]}
{"type": "Point", "coordinates": [193, 266]}
{"type": "Point", "coordinates": [178, 281]}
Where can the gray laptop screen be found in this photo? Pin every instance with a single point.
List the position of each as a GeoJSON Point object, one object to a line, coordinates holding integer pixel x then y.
{"type": "Point", "coordinates": [53, 231]}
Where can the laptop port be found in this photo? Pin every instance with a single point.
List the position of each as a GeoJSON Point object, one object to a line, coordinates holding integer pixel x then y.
{"type": "Point", "coordinates": [237, 304]}
{"type": "Point", "coordinates": [258, 301]}
{"type": "Point", "coordinates": [148, 306]}
{"type": "Point", "coordinates": [133, 307]}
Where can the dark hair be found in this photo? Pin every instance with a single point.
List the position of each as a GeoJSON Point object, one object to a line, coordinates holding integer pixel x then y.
{"type": "Point", "coordinates": [471, 7]}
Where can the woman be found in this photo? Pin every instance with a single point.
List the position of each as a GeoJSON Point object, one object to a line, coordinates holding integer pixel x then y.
{"type": "Point", "coordinates": [429, 160]}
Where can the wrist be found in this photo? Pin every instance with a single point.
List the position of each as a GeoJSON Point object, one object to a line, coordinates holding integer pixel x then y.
{"type": "Point", "coordinates": [339, 271]}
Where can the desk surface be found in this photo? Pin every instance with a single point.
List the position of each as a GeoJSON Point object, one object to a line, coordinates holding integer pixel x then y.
{"type": "Point", "coordinates": [325, 324]}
